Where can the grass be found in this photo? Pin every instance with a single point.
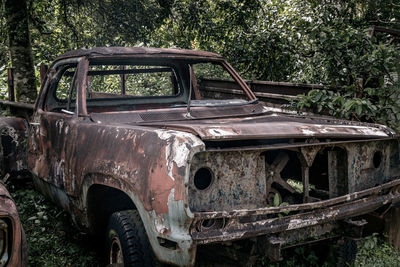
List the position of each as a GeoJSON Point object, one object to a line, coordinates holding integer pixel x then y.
{"type": "Point", "coordinates": [51, 238]}
{"type": "Point", "coordinates": [53, 241]}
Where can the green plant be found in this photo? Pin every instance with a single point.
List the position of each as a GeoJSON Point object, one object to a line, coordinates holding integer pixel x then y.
{"type": "Point", "coordinates": [377, 105]}
{"type": "Point", "coordinates": [374, 251]}
{"type": "Point", "coordinates": [52, 241]}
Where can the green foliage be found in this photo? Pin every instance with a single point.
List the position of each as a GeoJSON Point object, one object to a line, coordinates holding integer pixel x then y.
{"type": "Point", "coordinates": [63, 25]}
{"type": "Point", "coordinates": [52, 241]}
{"type": "Point", "coordinates": [378, 105]}
{"type": "Point", "coordinates": [276, 200]}
{"type": "Point", "coordinates": [137, 84]}
{"type": "Point", "coordinates": [373, 251]}
{"type": "Point", "coordinates": [297, 257]}
{"type": "Point", "coordinates": [343, 55]}
{"type": "Point", "coordinates": [4, 60]}
{"type": "Point", "coordinates": [250, 33]}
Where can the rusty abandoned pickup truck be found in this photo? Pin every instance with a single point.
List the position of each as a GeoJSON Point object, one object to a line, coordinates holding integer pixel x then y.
{"type": "Point", "coordinates": [133, 146]}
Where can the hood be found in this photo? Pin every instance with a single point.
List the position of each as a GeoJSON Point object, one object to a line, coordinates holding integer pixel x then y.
{"type": "Point", "coordinates": [276, 127]}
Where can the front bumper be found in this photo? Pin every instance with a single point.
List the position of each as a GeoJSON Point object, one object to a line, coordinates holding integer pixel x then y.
{"type": "Point", "coordinates": [241, 224]}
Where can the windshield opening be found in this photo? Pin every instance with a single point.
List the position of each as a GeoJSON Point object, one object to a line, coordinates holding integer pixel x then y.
{"type": "Point", "coordinates": [207, 77]}
{"type": "Point", "coordinates": [139, 84]}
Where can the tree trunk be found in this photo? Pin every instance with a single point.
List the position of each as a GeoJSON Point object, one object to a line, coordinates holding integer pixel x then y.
{"type": "Point", "coordinates": [20, 50]}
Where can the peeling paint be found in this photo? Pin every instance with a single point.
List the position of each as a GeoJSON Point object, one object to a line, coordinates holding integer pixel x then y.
{"type": "Point", "coordinates": [299, 223]}
{"type": "Point", "coordinates": [17, 252]}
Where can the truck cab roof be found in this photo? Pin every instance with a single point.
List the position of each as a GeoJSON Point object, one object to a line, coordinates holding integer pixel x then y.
{"type": "Point", "coordinates": [131, 51]}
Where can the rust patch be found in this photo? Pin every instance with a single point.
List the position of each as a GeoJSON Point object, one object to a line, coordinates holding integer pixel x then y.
{"type": "Point", "coordinates": [10, 221]}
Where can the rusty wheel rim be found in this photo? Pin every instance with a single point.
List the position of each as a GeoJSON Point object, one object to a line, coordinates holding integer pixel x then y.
{"type": "Point", "coordinates": [116, 256]}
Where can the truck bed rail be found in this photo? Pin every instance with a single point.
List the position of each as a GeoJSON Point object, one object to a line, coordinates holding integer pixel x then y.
{"type": "Point", "coordinates": [273, 93]}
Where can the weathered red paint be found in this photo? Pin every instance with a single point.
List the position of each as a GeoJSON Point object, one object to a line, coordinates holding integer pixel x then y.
{"type": "Point", "coordinates": [8, 211]}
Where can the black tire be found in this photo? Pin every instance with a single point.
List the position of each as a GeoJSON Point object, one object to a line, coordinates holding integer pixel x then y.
{"type": "Point", "coordinates": [127, 243]}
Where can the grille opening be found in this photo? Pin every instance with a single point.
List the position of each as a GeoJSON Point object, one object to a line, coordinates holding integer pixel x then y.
{"type": "Point", "coordinates": [319, 172]}
{"type": "Point", "coordinates": [203, 178]}
{"type": "Point", "coordinates": [284, 168]}
{"type": "Point", "coordinates": [328, 174]}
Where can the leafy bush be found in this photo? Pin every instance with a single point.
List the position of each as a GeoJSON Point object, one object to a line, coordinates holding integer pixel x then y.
{"type": "Point", "coordinates": [373, 251]}
{"type": "Point", "coordinates": [377, 105]}
{"type": "Point", "coordinates": [361, 69]}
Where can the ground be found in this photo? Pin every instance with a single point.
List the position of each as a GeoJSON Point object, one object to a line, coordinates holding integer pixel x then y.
{"type": "Point", "coordinates": [52, 240]}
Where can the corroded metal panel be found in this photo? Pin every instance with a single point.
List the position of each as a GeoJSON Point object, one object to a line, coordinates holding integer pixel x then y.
{"type": "Point", "coordinates": [18, 254]}
{"type": "Point", "coordinates": [238, 180]}
{"type": "Point", "coordinates": [273, 126]}
{"type": "Point", "coordinates": [372, 164]}
{"type": "Point", "coordinates": [14, 133]}
{"type": "Point", "coordinates": [123, 158]}
{"type": "Point", "coordinates": [238, 230]}
{"type": "Point", "coordinates": [125, 154]}
{"type": "Point", "coordinates": [141, 51]}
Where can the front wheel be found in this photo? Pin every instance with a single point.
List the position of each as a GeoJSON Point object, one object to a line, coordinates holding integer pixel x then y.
{"type": "Point", "coordinates": [126, 241]}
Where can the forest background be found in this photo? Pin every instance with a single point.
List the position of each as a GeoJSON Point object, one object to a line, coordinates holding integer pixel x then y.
{"type": "Point", "coordinates": [328, 42]}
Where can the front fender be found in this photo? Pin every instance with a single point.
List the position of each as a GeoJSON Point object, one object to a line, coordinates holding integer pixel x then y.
{"type": "Point", "coordinates": [152, 167]}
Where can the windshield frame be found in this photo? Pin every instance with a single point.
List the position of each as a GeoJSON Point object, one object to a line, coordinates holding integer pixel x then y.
{"type": "Point", "coordinates": [83, 68]}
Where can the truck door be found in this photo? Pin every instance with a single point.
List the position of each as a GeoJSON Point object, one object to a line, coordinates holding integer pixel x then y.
{"type": "Point", "coordinates": [52, 135]}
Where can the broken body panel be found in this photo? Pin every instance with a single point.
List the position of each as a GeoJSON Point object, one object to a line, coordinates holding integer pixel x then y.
{"type": "Point", "coordinates": [202, 172]}
{"type": "Point", "coordinates": [13, 247]}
